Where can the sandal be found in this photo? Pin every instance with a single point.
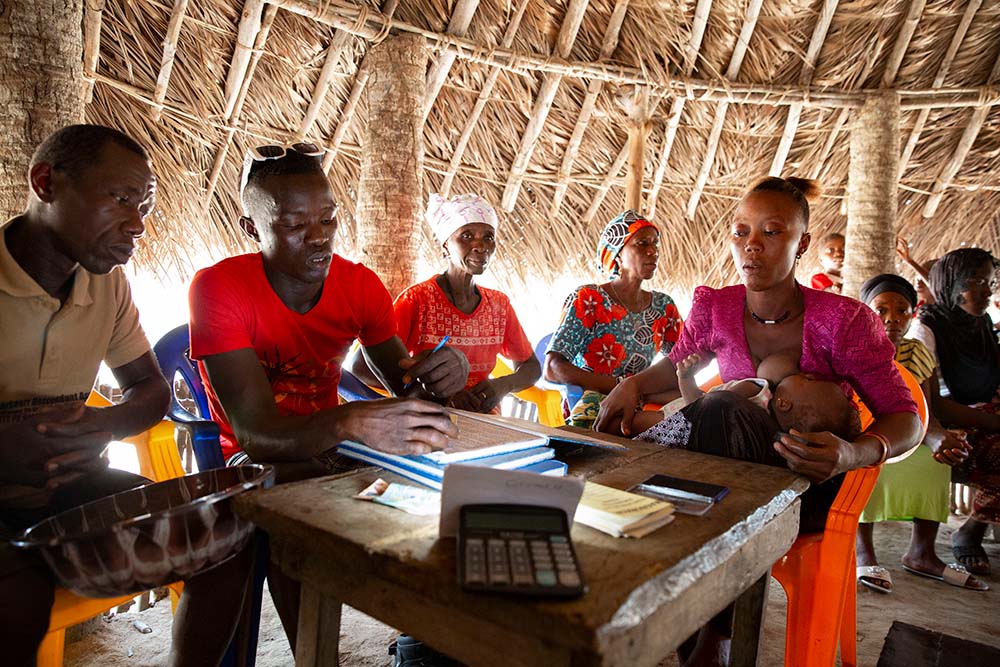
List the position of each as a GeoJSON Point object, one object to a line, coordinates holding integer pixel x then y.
{"type": "Point", "coordinates": [875, 577]}
{"type": "Point", "coordinates": [953, 574]}
{"type": "Point", "coordinates": [970, 551]}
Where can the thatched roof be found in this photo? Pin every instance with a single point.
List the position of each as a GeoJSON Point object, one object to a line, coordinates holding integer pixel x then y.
{"type": "Point", "coordinates": [723, 80]}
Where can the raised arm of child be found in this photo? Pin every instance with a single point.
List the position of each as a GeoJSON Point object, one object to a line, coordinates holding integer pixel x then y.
{"type": "Point", "coordinates": [686, 370]}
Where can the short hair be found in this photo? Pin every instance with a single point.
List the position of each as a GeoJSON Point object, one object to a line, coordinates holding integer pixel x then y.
{"type": "Point", "coordinates": [291, 163]}
{"type": "Point", "coordinates": [799, 190]}
{"type": "Point", "coordinates": [951, 272]}
{"type": "Point", "coordinates": [71, 149]}
{"type": "Point", "coordinates": [837, 415]}
{"type": "Point", "coordinates": [832, 236]}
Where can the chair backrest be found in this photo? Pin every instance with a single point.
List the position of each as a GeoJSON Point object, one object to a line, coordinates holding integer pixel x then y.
{"type": "Point", "coordinates": [541, 347]}
{"type": "Point", "coordinates": [172, 355]}
{"type": "Point", "coordinates": [353, 389]}
{"type": "Point", "coordinates": [570, 392]}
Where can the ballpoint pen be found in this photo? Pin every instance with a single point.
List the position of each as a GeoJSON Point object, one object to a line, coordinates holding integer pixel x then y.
{"type": "Point", "coordinates": [437, 347]}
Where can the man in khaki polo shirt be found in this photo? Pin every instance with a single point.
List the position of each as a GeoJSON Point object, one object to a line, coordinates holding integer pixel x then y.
{"type": "Point", "coordinates": [65, 306]}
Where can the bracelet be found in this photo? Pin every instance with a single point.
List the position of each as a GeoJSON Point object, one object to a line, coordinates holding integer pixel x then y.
{"type": "Point", "coordinates": [882, 440]}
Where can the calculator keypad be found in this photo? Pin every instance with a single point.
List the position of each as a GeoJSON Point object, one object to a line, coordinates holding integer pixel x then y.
{"type": "Point", "coordinates": [522, 563]}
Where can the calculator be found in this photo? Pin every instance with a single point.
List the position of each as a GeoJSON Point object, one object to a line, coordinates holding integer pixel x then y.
{"type": "Point", "coordinates": [517, 549]}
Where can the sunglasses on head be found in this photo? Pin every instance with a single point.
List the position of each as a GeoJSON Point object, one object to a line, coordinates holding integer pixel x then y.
{"type": "Point", "coordinates": [275, 152]}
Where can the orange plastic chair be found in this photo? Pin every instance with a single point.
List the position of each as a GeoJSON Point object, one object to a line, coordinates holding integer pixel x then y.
{"type": "Point", "coordinates": [818, 572]}
{"type": "Point", "coordinates": [159, 461]}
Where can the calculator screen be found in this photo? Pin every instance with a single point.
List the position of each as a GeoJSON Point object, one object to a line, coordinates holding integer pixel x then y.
{"type": "Point", "coordinates": [547, 523]}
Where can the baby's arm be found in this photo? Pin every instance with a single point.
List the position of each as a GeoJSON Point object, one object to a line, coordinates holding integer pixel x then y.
{"type": "Point", "coordinates": [686, 369]}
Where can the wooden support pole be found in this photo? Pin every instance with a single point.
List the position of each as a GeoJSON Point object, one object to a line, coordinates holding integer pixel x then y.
{"type": "Point", "coordinates": [805, 78]}
{"type": "Point", "coordinates": [943, 68]}
{"type": "Point", "coordinates": [40, 82]}
{"type": "Point", "coordinates": [735, 63]}
{"type": "Point", "coordinates": [93, 18]}
{"type": "Point", "coordinates": [481, 100]}
{"type": "Point", "coordinates": [347, 113]}
{"type": "Point", "coordinates": [638, 129]}
{"type": "Point", "coordinates": [961, 151]}
{"type": "Point", "coordinates": [608, 45]}
{"type": "Point", "coordinates": [871, 192]}
{"type": "Point", "coordinates": [390, 188]}
{"type": "Point", "coordinates": [169, 53]}
{"type": "Point", "coordinates": [543, 104]}
{"type": "Point", "coordinates": [461, 17]}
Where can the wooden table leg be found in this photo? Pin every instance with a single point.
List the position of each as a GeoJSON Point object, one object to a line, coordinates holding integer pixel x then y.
{"type": "Point", "coordinates": [748, 624]}
{"type": "Point", "coordinates": [319, 630]}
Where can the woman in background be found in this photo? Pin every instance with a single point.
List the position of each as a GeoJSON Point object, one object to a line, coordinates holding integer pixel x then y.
{"type": "Point", "coordinates": [615, 329]}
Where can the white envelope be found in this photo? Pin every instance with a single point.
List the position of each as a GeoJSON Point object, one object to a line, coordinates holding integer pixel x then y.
{"type": "Point", "coordinates": [473, 485]}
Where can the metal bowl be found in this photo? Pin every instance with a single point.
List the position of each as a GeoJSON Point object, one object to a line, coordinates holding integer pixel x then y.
{"type": "Point", "coordinates": [148, 536]}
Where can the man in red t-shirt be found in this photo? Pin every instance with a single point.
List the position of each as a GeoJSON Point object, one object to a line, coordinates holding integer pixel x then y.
{"type": "Point", "coordinates": [270, 331]}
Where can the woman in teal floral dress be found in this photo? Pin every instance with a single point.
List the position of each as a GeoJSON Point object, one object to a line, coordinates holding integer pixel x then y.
{"type": "Point", "coordinates": [615, 329]}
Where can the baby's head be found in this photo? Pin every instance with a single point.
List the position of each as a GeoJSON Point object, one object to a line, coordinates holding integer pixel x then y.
{"type": "Point", "coordinates": [809, 405]}
{"type": "Point", "coordinates": [831, 252]}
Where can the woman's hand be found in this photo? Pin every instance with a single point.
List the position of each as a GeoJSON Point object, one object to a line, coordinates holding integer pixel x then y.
{"type": "Point", "coordinates": [903, 249]}
{"type": "Point", "coordinates": [949, 447]}
{"type": "Point", "coordinates": [622, 402]}
{"type": "Point", "coordinates": [824, 456]}
{"type": "Point", "coordinates": [482, 397]}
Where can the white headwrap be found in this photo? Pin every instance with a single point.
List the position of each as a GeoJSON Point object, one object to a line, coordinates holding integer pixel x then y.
{"type": "Point", "coordinates": [446, 216]}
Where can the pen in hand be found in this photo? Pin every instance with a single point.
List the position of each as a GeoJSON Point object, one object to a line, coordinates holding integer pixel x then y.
{"type": "Point", "coordinates": [436, 348]}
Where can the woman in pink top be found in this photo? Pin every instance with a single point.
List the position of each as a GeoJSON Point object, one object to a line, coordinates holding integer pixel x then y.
{"type": "Point", "coordinates": [478, 321]}
{"type": "Point", "coordinates": [835, 338]}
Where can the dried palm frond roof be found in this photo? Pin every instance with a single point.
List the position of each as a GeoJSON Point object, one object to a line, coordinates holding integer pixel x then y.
{"type": "Point", "coordinates": [733, 89]}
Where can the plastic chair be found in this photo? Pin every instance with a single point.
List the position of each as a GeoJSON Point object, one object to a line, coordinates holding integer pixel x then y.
{"type": "Point", "coordinates": [571, 393]}
{"type": "Point", "coordinates": [172, 355]}
{"type": "Point", "coordinates": [818, 572]}
{"type": "Point", "coordinates": [351, 388]}
{"type": "Point", "coordinates": [548, 402]}
{"type": "Point", "coordinates": [159, 461]}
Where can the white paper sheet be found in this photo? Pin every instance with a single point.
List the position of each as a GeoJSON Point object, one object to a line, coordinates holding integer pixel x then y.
{"type": "Point", "coordinates": [471, 485]}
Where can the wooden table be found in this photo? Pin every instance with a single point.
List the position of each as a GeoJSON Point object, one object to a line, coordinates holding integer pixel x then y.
{"type": "Point", "coordinates": [645, 596]}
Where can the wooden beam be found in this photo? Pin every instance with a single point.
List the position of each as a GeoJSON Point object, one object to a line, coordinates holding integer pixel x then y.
{"type": "Point", "coordinates": [481, 100]}
{"type": "Point", "coordinates": [805, 78]}
{"type": "Point", "coordinates": [735, 62]}
{"type": "Point", "coordinates": [899, 48]}
{"type": "Point", "coordinates": [461, 17]}
{"type": "Point", "coordinates": [169, 53]}
{"type": "Point", "coordinates": [608, 45]}
{"type": "Point", "coordinates": [238, 100]}
{"type": "Point", "coordinates": [638, 129]}
{"type": "Point", "coordinates": [902, 43]}
{"type": "Point", "coordinates": [961, 151]}
{"type": "Point", "coordinates": [943, 68]}
{"type": "Point", "coordinates": [373, 25]}
{"type": "Point", "coordinates": [543, 104]}
{"type": "Point", "coordinates": [93, 18]}
{"type": "Point", "coordinates": [331, 60]}
{"type": "Point", "coordinates": [701, 13]}
{"type": "Point", "coordinates": [347, 113]}
{"type": "Point", "coordinates": [245, 38]}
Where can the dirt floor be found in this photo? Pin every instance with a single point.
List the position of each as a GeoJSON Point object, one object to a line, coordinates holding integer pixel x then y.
{"type": "Point", "coordinates": [923, 602]}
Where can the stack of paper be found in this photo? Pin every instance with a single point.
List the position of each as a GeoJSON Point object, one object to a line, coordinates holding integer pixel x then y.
{"type": "Point", "coordinates": [481, 442]}
{"type": "Point", "coordinates": [620, 513]}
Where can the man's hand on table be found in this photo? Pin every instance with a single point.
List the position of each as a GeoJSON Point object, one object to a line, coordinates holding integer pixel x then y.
{"type": "Point", "coordinates": [397, 425]}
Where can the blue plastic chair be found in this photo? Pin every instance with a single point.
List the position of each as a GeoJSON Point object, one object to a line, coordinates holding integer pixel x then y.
{"type": "Point", "coordinates": [172, 356]}
{"type": "Point", "coordinates": [571, 392]}
{"type": "Point", "coordinates": [353, 389]}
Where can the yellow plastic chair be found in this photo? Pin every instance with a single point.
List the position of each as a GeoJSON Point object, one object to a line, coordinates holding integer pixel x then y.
{"type": "Point", "coordinates": [159, 461]}
{"type": "Point", "coordinates": [548, 401]}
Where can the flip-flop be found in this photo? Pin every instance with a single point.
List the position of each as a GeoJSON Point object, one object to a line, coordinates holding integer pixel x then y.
{"type": "Point", "coordinates": [875, 577]}
{"type": "Point", "coordinates": [953, 574]}
{"type": "Point", "coordinates": [962, 551]}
